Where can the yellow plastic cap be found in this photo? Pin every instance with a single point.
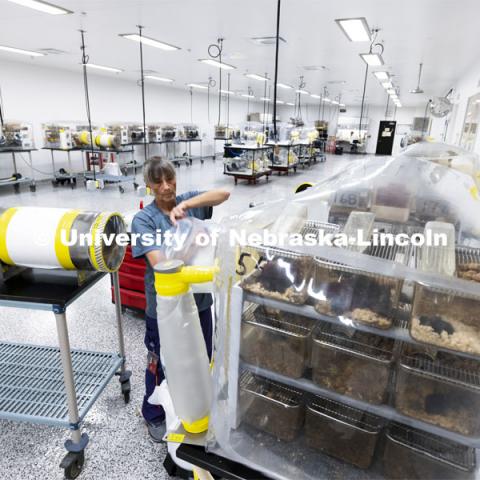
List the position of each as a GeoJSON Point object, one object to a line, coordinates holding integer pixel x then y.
{"type": "Point", "coordinates": [173, 278]}
{"type": "Point", "coordinates": [198, 426]}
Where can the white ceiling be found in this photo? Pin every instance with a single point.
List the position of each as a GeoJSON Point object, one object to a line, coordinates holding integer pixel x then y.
{"type": "Point", "coordinates": [441, 33]}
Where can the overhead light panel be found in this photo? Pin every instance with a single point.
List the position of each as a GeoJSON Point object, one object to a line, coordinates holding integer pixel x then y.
{"type": "Point", "coordinates": [280, 102]}
{"type": "Point", "coordinates": [197, 85]}
{"type": "Point", "coordinates": [216, 63]}
{"type": "Point", "coordinates": [382, 76]}
{"type": "Point", "coordinates": [256, 77]}
{"type": "Point", "coordinates": [302, 92]}
{"type": "Point", "coordinates": [387, 85]}
{"type": "Point", "coordinates": [284, 86]}
{"type": "Point", "coordinates": [335, 102]}
{"type": "Point", "coordinates": [290, 104]}
{"type": "Point", "coordinates": [29, 53]}
{"type": "Point", "coordinates": [327, 100]}
{"type": "Point", "coordinates": [227, 92]}
{"type": "Point", "coordinates": [150, 41]}
{"type": "Point", "coordinates": [391, 91]}
{"type": "Point", "coordinates": [372, 59]}
{"type": "Point", "coordinates": [246, 95]}
{"type": "Point", "coordinates": [103, 67]}
{"type": "Point", "coordinates": [159, 79]}
{"type": "Point", "coordinates": [42, 7]}
{"type": "Point", "coordinates": [355, 29]}
{"type": "Point", "coordinates": [265, 99]}
{"type": "Point", "coordinates": [313, 95]}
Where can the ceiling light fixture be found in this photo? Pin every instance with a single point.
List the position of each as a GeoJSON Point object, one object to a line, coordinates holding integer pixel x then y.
{"type": "Point", "coordinates": [303, 92]}
{"type": "Point", "coordinates": [284, 86]}
{"type": "Point", "coordinates": [386, 85]}
{"type": "Point", "coordinates": [372, 59]}
{"type": "Point", "coordinates": [265, 99]}
{"type": "Point", "coordinates": [149, 41]}
{"type": "Point", "coordinates": [290, 104]}
{"type": "Point", "coordinates": [246, 95]}
{"type": "Point", "coordinates": [382, 76]}
{"type": "Point", "coordinates": [197, 85]}
{"type": "Point", "coordinates": [216, 63]}
{"type": "Point", "coordinates": [30, 53]}
{"type": "Point", "coordinates": [227, 92]}
{"type": "Point", "coordinates": [256, 77]}
{"type": "Point", "coordinates": [355, 29]}
{"type": "Point", "coordinates": [335, 102]}
{"type": "Point", "coordinates": [327, 100]}
{"type": "Point", "coordinates": [280, 102]}
{"type": "Point", "coordinates": [42, 7]}
{"type": "Point", "coordinates": [391, 91]}
{"type": "Point", "coordinates": [102, 67]}
{"type": "Point", "coordinates": [313, 95]}
{"type": "Point", "coordinates": [159, 79]}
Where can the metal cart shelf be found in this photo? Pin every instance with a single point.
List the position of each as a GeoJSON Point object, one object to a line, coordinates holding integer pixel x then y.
{"type": "Point", "coordinates": [61, 176]}
{"type": "Point", "coordinates": [57, 385]}
{"type": "Point", "coordinates": [16, 179]}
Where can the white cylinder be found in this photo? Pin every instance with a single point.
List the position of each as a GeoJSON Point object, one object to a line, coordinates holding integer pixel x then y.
{"type": "Point", "coordinates": [185, 360]}
{"type": "Point", "coordinates": [39, 237]}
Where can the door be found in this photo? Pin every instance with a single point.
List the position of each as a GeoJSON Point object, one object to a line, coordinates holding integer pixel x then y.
{"type": "Point", "coordinates": [386, 136]}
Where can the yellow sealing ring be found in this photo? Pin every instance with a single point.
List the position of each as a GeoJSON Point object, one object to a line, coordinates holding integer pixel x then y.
{"type": "Point", "coordinates": [198, 426]}
{"type": "Point", "coordinates": [4, 221]}
{"type": "Point", "coordinates": [303, 186]}
{"type": "Point", "coordinates": [61, 250]}
{"type": "Point", "coordinates": [96, 255]}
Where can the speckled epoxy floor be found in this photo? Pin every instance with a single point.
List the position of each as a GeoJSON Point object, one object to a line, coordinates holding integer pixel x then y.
{"type": "Point", "coordinates": [120, 447]}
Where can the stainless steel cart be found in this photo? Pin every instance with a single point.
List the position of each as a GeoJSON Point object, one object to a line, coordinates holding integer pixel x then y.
{"type": "Point", "coordinates": [65, 383]}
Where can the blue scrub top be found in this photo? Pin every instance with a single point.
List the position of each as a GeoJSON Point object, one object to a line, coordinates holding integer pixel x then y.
{"type": "Point", "coordinates": [149, 220]}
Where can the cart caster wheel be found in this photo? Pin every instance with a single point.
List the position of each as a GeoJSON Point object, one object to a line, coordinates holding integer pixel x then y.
{"type": "Point", "coordinates": [121, 189]}
{"type": "Point", "coordinates": [202, 161]}
{"type": "Point", "coordinates": [126, 397]}
{"type": "Point", "coordinates": [72, 463]}
{"type": "Point", "coordinates": [135, 185]}
{"type": "Point", "coordinates": [55, 183]}
{"type": "Point", "coordinates": [33, 188]}
{"type": "Point", "coordinates": [16, 188]}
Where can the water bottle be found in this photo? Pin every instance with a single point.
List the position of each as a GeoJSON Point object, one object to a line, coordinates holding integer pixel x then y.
{"type": "Point", "coordinates": [183, 350]}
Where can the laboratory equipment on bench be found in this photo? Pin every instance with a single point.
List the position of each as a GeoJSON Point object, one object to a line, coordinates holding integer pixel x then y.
{"type": "Point", "coordinates": [58, 136]}
{"type": "Point", "coordinates": [44, 266]}
{"type": "Point", "coordinates": [17, 135]}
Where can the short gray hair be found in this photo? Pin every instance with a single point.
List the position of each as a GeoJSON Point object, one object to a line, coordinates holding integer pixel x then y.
{"type": "Point", "coordinates": [157, 169]}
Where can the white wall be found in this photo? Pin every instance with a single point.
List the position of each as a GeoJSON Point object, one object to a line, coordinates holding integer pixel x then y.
{"type": "Point", "coordinates": [35, 95]}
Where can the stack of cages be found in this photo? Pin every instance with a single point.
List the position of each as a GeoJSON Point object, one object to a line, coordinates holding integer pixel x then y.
{"type": "Point", "coordinates": [58, 135]}
{"type": "Point", "coordinates": [188, 131]}
{"type": "Point", "coordinates": [16, 136]}
{"type": "Point", "coordinates": [345, 347]}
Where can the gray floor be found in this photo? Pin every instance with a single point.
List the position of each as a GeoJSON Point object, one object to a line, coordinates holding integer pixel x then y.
{"type": "Point", "coordinates": [120, 447]}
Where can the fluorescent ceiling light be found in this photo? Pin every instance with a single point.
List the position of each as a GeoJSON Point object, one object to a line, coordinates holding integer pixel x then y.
{"type": "Point", "coordinates": [265, 99]}
{"type": "Point", "coordinates": [342, 105]}
{"type": "Point", "coordinates": [355, 29]}
{"type": "Point", "coordinates": [291, 104]}
{"type": "Point", "coordinates": [149, 41]}
{"type": "Point", "coordinates": [335, 102]}
{"type": "Point", "coordinates": [197, 85]}
{"type": "Point", "coordinates": [387, 85]}
{"type": "Point", "coordinates": [285, 86]}
{"type": "Point", "coordinates": [159, 79]}
{"type": "Point", "coordinates": [280, 102]}
{"type": "Point", "coordinates": [256, 77]}
{"type": "Point", "coordinates": [382, 75]}
{"type": "Point", "coordinates": [391, 91]}
{"type": "Point", "coordinates": [102, 67]}
{"type": "Point", "coordinates": [227, 92]}
{"type": "Point", "coordinates": [303, 92]}
{"type": "Point", "coordinates": [30, 53]}
{"type": "Point", "coordinates": [313, 95]}
{"type": "Point", "coordinates": [42, 6]}
{"type": "Point", "coordinates": [327, 100]}
{"type": "Point", "coordinates": [216, 63]}
{"type": "Point", "coordinates": [246, 95]}
{"type": "Point", "coordinates": [372, 59]}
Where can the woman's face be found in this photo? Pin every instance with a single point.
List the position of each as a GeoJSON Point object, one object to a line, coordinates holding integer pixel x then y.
{"type": "Point", "coordinates": [166, 190]}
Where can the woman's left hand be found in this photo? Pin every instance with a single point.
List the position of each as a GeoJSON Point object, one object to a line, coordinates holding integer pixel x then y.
{"type": "Point", "coordinates": [178, 212]}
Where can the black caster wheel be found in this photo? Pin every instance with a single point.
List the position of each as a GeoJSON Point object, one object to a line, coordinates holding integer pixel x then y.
{"type": "Point", "coordinates": [135, 185]}
{"type": "Point", "coordinates": [126, 397]}
{"type": "Point", "coordinates": [202, 161]}
{"type": "Point", "coordinates": [126, 389]}
{"type": "Point", "coordinates": [121, 189]}
{"type": "Point", "coordinates": [16, 188]}
{"type": "Point", "coordinates": [33, 188]}
{"type": "Point", "coordinates": [72, 463]}
{"type": "Point", "coordinates": [55, 183]}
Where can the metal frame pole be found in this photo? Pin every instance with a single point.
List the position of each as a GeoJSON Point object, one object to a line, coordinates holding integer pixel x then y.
{"type": "Point", "coordinates": [118, 314]}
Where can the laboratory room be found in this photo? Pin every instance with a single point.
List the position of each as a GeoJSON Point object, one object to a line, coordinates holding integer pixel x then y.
{"type": "Point", "coordinates": [239, 240]}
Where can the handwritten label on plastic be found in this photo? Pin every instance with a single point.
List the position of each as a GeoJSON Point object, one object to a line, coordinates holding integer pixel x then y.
{"type": "Point", "coordinates": [175, 437]}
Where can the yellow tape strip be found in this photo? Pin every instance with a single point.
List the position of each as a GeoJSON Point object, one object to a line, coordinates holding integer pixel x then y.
{"type": "Point", "coordinates": [4, 221]}
{"type": "Point", "coordinates": [61, 250]}
{"type": "Point", "coordinates": [175, 437]}
{"type": "Point", "coordinates": [474, 193]}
